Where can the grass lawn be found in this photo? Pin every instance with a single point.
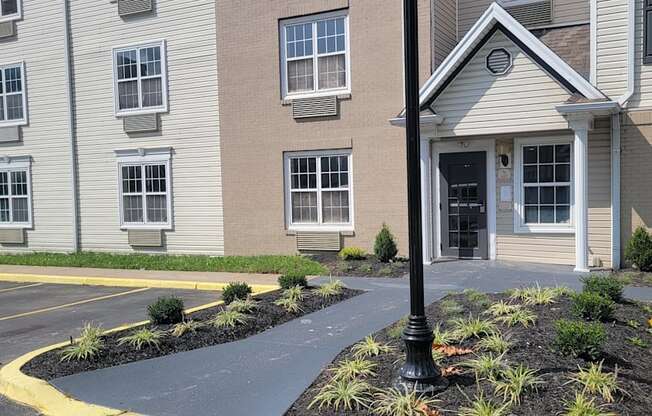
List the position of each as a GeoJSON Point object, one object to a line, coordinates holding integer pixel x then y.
{"type": "Point", "coordinates": [235, 264]}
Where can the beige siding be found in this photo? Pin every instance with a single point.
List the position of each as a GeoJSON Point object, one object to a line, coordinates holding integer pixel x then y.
{"type": "Point", "coordinates": [191, 127]}
{"type": "Point", "coordinates": [522, 100]}
{"type": "Point", "coordinates": [563, 12]}
{"type": "Point", "coordinates": [40, 43]}
{"type": "Point", "coordinates": [642, 73]}
{"type": "Point", "coordinates": [560, 248]}
{"type": "Point", "coordinates": [444, 29]}
{"type": "Point", "coordinates": [636, 173]}
{"type": "Point", "coordinates": [611, 71]}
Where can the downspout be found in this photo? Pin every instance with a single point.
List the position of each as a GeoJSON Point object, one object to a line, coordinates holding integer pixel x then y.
{"type": "Point", "coordinates": [631, 53]}
{"type": "Point", "coordinates": [71, 129]}
{"type": "Point", "coordinates": [615, 191]}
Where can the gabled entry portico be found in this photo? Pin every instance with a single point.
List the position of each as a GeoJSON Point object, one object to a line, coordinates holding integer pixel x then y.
{"type": "Point", "coordinates": [504, 103]}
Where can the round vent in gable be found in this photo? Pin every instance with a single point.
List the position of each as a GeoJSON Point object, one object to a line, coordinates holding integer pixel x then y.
{"type": "Point", "coordinates": [499, 61]}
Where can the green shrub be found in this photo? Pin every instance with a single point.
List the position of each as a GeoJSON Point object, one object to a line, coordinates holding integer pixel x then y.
{"type": "Point", "coordinates": [592, 306]}
{"type": "Point", "coordinates": [235, 290]}
{"type": "Point", "coordinates": [291, 280]}
{"type": "Point", "coordinates": [638, 250]}
{"type": "Point", "coordinates": [385, 246]}
{"type": "Point", "coordinates": [579, 339]}
{"type": "Point", "coordinates": [167, 310]}
{"type": "Point", "coordinates": [352, 253]}
{"type": "Point", "coordinates": [605, 286]}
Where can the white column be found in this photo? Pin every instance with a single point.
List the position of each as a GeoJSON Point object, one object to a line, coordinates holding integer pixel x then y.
{"type": "Point", "coordinates": [426, 201]}
{"type": "Point", "coordinates": [581, 124]}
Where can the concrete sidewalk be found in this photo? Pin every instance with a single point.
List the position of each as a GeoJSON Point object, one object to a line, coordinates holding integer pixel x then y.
{"type": "Point", "coordinates": [130, 278]}
{"type": "Point", "coordinates": [266, 373]}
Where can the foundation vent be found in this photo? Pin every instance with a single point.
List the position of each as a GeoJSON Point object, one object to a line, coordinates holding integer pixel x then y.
{"type": "Point", "coordinates": [145, 238]}
{"type": "Point", "coordinates": [129, 7]}
{"type": "Point", "coordinates": [12, 236]}
{"type": "Point", "coordinates": [141, 123]}
{"type": "Point", "coordinates": [319, 241]}
{"type": "Point", "coordinates": [314, 107]}
{"type": "Point", "coordinates": [531, 13]}
{"type": "Point", "coordinates": [7, 30]}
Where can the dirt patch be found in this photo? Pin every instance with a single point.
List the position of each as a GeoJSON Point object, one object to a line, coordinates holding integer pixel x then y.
{"type": "Point", "coordinates": [635, 278]}
{"type": "Point", "coordinates": [368, 267]}
{"type": "Point", "coordinates": [531, 347]}
{"type": "Point", "coordinates": [267, 315]}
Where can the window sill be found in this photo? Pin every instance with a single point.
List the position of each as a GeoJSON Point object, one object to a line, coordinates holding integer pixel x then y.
{"type": "Point", "coordinates": [542, 229]}
{"type": "Point", "coordinates": [13, 123]}
{"type": "Point", "coordinates": [122, 114]}
{"type": "Point", "coordinates": [11, 18]}
{"type": "Point", "coordinates": [23, 226]}
{"type": "Point", "coordinates": [345, 229]}
{"type": "Point", "coordinates": [341, 95]}
{"type": "Point", "coordinates": [147, 227]}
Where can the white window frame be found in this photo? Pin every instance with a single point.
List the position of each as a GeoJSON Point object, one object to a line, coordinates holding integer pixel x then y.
{"type": "Point", "coordinates": [18, 164]}
{"type": "Point", "coordinates": [145, 157]}
{"type": "Point", "coordinates": [319, 226]}
{"type": "Point", "coordinates": [520, 227]}
{"type": "Point", "coordinates": [163, 108]}
{"type": "Point", "coordinates": [15, 16]}
{"type": "Point", "coordinates": [18, 122]}
{"type": "Point", "coordinates": [316, 92]}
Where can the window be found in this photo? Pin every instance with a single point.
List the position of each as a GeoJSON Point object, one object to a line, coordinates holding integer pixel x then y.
{"type": "Point", "coordinates": [544, 186]}
{"type": "Point", "coordinates": [10, 10]}
{"type": "Point", "coordinates": [315, 55]}
{"type": "Point", "coordinates": [12, 95]}
{"type": "Point", "coordinates": [145, 190]}
{"type": "Point", "coordinates": [647, 32]}
{"type": "Point", "coordinates": [319, 190]}
{"type": "Point", "coordinates": [15, 193]}
{"type": "Point", "coordinates": [140, 79]}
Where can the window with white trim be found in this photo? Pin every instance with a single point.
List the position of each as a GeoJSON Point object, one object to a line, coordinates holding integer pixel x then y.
{"type": "Point", "coordinates": [140, 84]}
{"type": "Point", "coordinates": [144, 191]}
{"type": "Point", "coordinates": [10, 10]}
{"type": "Point", "coordinates": [315, 54]}
{"type": "Point", "coordinates": [15, 195]}
{"type": "Point", "coordinates": [545, 186]}
{"type": "Point", "coordinates": [12, 95]}
{"type": "Point", "coordinates": [319, 189]}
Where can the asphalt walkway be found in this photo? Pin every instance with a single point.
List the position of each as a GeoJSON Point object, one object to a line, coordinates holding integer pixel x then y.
{"type": "Point", "coordinates": [273, 368]}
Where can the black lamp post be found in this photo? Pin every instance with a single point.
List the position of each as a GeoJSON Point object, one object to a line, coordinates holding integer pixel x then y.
{"type": "Point", "coordinates": [419, 371]}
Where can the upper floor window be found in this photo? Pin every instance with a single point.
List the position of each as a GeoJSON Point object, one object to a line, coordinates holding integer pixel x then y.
{"type": "Point", "coordinates": [647, 57]}
{"type": "Point", "coordinates": [12, 95]}
{"type": "Point", "coordinates": [544, 186]}
{"type": "Point", "coordinates": [140, 79]}
{"type": "Point", "coordinates": [15, 193]}
{"type": "Point", "coordinates": [9, 10]}
{"type": "Point", "coordinates": [315, 55]}
{"type": "Point", "coordinates": [144, 189]}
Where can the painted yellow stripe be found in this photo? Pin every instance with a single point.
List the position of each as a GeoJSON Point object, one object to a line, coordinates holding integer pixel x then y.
{"type": "Point", "coordinates": [81, 302]}
{"type": "Point", "coordinates": [124, 282]}
{"type": "Point", "coordinates": [20, 287]}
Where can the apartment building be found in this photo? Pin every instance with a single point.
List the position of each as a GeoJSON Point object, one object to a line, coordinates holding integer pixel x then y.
{"type": "Point", "coordinates": [110, 130]}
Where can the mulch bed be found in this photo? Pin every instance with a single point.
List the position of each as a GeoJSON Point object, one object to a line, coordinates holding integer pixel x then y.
{"type": "Point", "coordinates": [531, 347]}
{"type": "Point", "coordinates": [369, 267]}
{"type": "Point", "coordinates": [267, 315]}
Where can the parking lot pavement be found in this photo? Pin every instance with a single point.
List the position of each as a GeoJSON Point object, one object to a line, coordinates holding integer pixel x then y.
{"type": "Point", "coordinates": [37, 315]}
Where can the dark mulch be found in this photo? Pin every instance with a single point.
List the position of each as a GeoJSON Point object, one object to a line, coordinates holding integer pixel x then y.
{"type": "Point", "coordinates": [369, 267]}
{"type": "Point", "coordinates": [634, 278]}
{"type": "Point", "coordinates": [267, 315]}
{"type": "Point", "coordinates": [533, 348]}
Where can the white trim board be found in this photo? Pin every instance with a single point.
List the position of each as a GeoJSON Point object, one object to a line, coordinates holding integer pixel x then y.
{"type": "Point", "coordinates": [459, 146]}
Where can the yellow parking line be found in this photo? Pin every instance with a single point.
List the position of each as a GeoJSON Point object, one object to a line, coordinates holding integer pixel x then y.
{"type": "Point", "coordinates": [81, 302]}
{"type": "Point", "coordinates": [20, 287]}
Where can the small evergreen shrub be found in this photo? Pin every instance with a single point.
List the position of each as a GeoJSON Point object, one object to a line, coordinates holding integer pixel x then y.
{"type": "Point", "coordinates": [606, 286]}
{"type": "Point", "coordinates": [352, 253]}
{"type": "Point", "coordinates": [579, 339]}
{"type": "Point", "coordinates": [592, 306]}
{"type": "Point", "coordinates": [288, 281]}
{"type": "Point", "coordinates": [167, 310]}
{"type": "Point", "coordinates": [638, 250]}
{"type": "Point", "coordinates": [385, 246]}
{"type": "Point", "coordinates": [235, 290]}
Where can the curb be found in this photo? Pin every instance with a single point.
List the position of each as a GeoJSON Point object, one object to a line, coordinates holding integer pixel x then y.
{"type": "Point", "coordinates": [122, 282]}
{"type": "Point", "coordinates": [48, 400]}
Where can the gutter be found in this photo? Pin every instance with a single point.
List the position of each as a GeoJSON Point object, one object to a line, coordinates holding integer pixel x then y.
{"type": "Point", "coordinates": [71, 129]}
{"type": "Point", "coordinates": [596, 108]}
{"type": "Point", "coordinates": [424, 120]}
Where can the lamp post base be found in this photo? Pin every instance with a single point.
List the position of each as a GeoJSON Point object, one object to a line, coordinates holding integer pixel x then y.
{"type": "Point", "coordinates": [419, 373]}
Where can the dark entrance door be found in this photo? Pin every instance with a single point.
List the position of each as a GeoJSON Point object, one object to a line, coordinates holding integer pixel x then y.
{"type": "Point", "coordinates": [463, 193]}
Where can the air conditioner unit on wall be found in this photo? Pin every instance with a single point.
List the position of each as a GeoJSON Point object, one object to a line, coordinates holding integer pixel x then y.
{"type": "Point", "coordinates": [533, 13]}
{"type": "Point", "coordinates": [129, 7]}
